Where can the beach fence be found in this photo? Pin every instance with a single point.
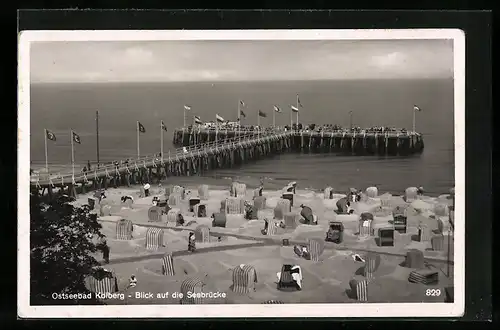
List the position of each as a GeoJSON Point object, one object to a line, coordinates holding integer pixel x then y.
{"type": "Point", "coordinates": [359, 289]}
{"type": "Point", "coordinates": [154, 238]}
{"type": "Point", "coordinates": [203, 192]}
{"type": "Point", "coordinates": [316, 248]}
{"type": "Point", "coordinates": [124, 230]}
{"type": "Point", "coordinates": [193, 286]}
{"type": "Point", "coordinates": [154, 214]}
{"type": "Point", "coordinates": [202, 234]}
{"type": "Point", "coordinates": [167, 265]}
{"type": "Point", "coordinates": [244, 278]}
{"type": "Point", "coordinates": [372, 262]}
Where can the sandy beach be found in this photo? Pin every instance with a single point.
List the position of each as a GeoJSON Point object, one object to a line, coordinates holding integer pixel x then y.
{"type": "Point", "coordinates": [241, 242]}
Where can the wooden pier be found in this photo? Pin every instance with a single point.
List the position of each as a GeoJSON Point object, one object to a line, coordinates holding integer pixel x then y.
{"type": "Point", "coordinates": [399, 143]}
{"type": "Point", "coordinates": [188, 161]}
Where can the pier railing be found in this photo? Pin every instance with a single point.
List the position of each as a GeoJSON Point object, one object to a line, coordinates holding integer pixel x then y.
{"type": "Point", "coordinates": [152, 160]}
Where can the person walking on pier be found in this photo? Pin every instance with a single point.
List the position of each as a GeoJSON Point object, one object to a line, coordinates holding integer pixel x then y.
{"type": "Point", "coordinates": [191, 242]}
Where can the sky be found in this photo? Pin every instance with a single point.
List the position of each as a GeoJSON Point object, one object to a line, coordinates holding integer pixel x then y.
{"type": "Point", "coordinates": [212, 61]}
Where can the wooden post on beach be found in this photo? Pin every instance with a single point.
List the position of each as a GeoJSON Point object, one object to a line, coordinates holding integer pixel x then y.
{"type": "Point", "coordinates": [46, 152]}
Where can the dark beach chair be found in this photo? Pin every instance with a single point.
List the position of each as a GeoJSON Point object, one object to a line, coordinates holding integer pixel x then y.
{"type": "Point", "coordinates": [335, 233]}
{"type": "Point", "coordinates": [286, 282]}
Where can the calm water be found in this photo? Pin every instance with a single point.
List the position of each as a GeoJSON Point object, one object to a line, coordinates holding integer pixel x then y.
{"type": "Point", "coordinates": [61, 107]}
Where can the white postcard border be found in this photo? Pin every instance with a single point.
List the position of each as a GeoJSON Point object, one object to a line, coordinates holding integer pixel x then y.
{"type": "Point", "coordinates": [454, 309]}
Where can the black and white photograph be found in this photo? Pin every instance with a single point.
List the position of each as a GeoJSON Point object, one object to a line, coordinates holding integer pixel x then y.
{"type": "Point", "coordinates": [317, 169]}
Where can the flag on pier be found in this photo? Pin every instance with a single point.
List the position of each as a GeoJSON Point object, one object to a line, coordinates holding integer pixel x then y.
{"type": "Point", "coordinates": [295, 109]}
{"type": "Point", "coordinates": [262, 114]}
{"type": "Point", "coordinates": [51, 136]}
{"type": "Point", "coordinates": [219, 118]}
{"type": "Point", "coordinates": [243, 114]}
{"type": "Point", "coordinates": [187, 107]}
{"type": "Point", "coordinates": [76, 137]}
{"type": "Point", "coordinates": [141, 127]}
{"type": "Point", "coordinates": [298, 102]}
{"type": "Point", "coordinates": [416, 108]}
{"type": "Point", "coordinates": [197, 120]}
{"type": "Point", "coordinates": [163, 126]}
{"type": "Point", "coordinates": [277, 109]}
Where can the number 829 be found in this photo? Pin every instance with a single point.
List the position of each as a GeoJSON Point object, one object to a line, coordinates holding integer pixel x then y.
{"type": "Point", "coordinates": [433, 292]}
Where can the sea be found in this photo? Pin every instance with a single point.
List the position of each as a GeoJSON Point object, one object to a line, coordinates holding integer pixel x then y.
{"type": "Point", "coordinates": [62, 107]}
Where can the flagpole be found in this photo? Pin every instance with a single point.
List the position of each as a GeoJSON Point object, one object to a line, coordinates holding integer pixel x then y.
{"type": "Point", "coordinates": [414, 110]}
{"type": "Point", "coordinates": [274, 118]}
{"type": "Point", "coordinates": [161, 144]}
{"type": "Point", "coordinates": [297, 123]}
{"type": "Point", "coordinates": [97, 133]}
{"type": "Point", "coordinates": [184, 112]}
{"type": "Point", "coordinates": [216, 129]}
{"type": "Point", "coordinates": [138, 144]}
{"type": "Point", "coordinates": [72, 155]}
{"type": "Point", "coordinates": [239, 119]}
{"type": "Point", "coordinates": [258, 125]}
{"type": "Point", "coordinates": [46, 152]}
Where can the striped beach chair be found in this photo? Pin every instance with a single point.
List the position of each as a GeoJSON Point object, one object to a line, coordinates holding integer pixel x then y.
{"type": "Point", "coordinates": [154, 238]}
{"type": "Point", "coordinates": [235, 205]}
{"type": "Point", "coordinates": [424, 276]}
{"type": "Point", "coordinates": [154, 214]}
{"type": "Point", "coordinates": [167, 265]}
{"type": "Point", "coordinates": [244, 278]}
{"type": "Point", "coordinates": [203, 192]}
{"type": "Point", "coordinates": [372, 262]}
{"type": "Point", "coordinates": [191, 285]}
{"type": "Point", "coordinates": [284, 204]}
{"type": "Point", "coordinates": [327, 193]}
{"type": "Point", "coordinates": [202, 234]}
{"type": "Point", "coordinates": [359, 288]}
{"type": "Point", "coordinates": [437, 242]}
{"type": "Point", "coordinates": [173, 215]}
{"type": "Point", "coordinates": [260, 202]}
{"type": "Point", "coordinates": [272, 228]}
{"type": "Point", "coordinates": [385, 200]}
{"type": "Point", "coordinates": [124, 230]}
{"type": "Point", "coordinates": [365, 229]}
{"type": "Point", "coordinates": [424, 233]}
{"type": "Point", "coordinates": [316, 247]}
{"type": "Point", "coordinates": [273, 302]}
{"type": "Point", "coordinates": [174, 200]}
{"type": "Point", "coordinates": [102, 282]}
{"type": "Point", "coordinates": [291, 220]}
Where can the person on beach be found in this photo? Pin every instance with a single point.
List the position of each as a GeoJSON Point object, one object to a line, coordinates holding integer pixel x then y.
{"type": "Point", "coordinates": [191, 242]}
{"type": "Point", "coordinates": [132, 282]}
{"type": "Point", "coordinates": [88, 165]}
{"type": "Point", "coordinates": [84, 170]}
{"type": "Point", "coordinates": [104, 247]}
{"type": "Point", "coordinates": [147, 186]}
{"type": "Point", "coordinates": [420, 191]}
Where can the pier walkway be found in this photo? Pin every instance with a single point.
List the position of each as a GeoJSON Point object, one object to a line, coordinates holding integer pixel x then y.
{"type": "Point", "coordinates": [186, 161]}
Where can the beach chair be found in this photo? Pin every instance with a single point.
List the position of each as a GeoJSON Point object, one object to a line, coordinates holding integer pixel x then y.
{"type": "Point", "coordinates": [124, 229]}
{"type": "Point", "coordinates": [167, 265]}
{"type": "Point", "coordinates": [386, 236]}
{"type": "Point", "coordinates": [244, 279]}
{"type": "Point", "coordinates": [372, 262]}
{"type": "Point", "coordinates": [335, 233]}
{"type": "Point", "coordinates": [414, 259]}
{"type": "Point", "coordinates": [437, 242]}
{"type": "Point", "coordinates": [288, 196]}
{"type": "Point", "coordinates": [424, 276]}
{"type": "Point", "coordinates": [219, 220]}
{"type": "Point", "coordinates": [400, 223]}
{"type": "Point", "coordinates": [101, 281]}
{"type": "Point", "coordinates": [154, 214]}
{"type": "Point", "coordinates": [359, 289]}
{"type": "Point", "coordinates": [92, 202]}
{"type": "Point", "coordinates": [286, 281]}
{"type": "Point", "coordinates": [154, 238]}
{"type": "Point", "coordinates": [190, 287]}
{"type": "Point", "coordinates": [260, 202]}
{"type": "Point", "coordinates": [192, 202]}
{"type": "Point", "coordinates": [200, 210]}
{"type": "Point", "coordinates": [202, 234]}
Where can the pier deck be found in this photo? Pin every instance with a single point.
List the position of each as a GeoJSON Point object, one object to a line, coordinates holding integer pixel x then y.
{"type": "Point", "coordinates": [206, 150]}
